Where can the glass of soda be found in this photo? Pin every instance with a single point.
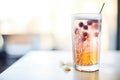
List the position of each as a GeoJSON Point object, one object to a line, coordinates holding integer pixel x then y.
{"type": "Point", "coordinates": [86, 33]}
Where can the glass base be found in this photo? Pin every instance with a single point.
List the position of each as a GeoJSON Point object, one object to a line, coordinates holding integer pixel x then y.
{"type": "Point", "coordinates": [90, 68]}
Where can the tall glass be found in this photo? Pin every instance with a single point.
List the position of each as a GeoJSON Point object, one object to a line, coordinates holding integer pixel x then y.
{"type": "Point", "coordinates": [86, 41]}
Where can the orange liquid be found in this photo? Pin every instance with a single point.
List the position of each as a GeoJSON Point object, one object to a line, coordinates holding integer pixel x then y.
{"type": "Point", "coordinates": [86, 57]}
{"type": "Point", "coordinates": [86, 42]}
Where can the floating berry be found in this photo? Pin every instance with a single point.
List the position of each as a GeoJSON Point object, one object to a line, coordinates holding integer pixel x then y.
{"type": "Point", "coordinates": [85, 34]}
{"type": "Point", "coordinates": [81, 24]}
{"type": "Point", "coordinates": [85, 27]}
{"type": "Point", "coordinates": [83, 38]}
{"type": "Point", "coordinates": [76, 30]}
{"type": "Point", "coordinates": [95, 21]}
{"type": "Point", "coordinates": [89, 22]}
{"type": "Point", "coordinates": [96, 34]}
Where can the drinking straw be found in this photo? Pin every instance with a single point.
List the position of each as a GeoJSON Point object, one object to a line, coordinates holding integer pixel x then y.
{"type": "Point", "coordinates": [101, 8]}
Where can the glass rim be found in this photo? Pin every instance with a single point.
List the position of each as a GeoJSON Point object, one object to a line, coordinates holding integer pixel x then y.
{"type": "Point", "coordinates": [87, 16]}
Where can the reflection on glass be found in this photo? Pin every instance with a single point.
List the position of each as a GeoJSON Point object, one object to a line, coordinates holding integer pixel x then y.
{"type": "Point", "coordinates": [86, 75]}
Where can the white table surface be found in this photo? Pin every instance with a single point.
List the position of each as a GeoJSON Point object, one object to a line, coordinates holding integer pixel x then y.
{"type": "Point", "coordinates": [45, 65]}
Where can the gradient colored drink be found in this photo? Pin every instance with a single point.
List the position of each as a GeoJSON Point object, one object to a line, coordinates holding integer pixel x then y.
{"type": "Point", "coordinates": [86, 41]}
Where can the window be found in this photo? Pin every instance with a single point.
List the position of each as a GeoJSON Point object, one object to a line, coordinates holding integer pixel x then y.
{"type": "Point", "coordinates": [53, 18]}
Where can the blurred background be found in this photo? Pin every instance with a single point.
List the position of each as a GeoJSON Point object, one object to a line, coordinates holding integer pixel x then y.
{"type": "Point", "coordinates": [27, 25]}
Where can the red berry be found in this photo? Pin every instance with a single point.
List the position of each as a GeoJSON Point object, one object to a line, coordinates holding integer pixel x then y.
{"type": "Point", "coordinates": [85, 27]}
{"type": "Point", "coordinates": [96, 34]}
{"type": "Point", "coordinates": [85, 34]}
{"type": "Point", "coordinates": [81, 24]}
{"type": "Point", "coordinates": [95, 21]}
{"type": "Point", "coordinates": [89, 22]}
{"type": "Point", "coordinates": [76, 30]}
{"type": "Point", "coordinates": [83, 38]}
